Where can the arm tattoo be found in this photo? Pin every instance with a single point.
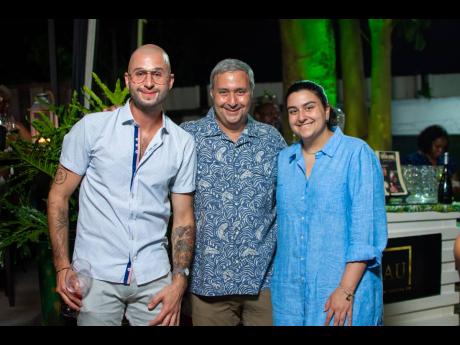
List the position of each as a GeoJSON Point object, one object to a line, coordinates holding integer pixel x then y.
{"type": "Point", "coordinates": [62, 226]}
{"type": "Point", "coordinates": [183, 241]}
{"type": "Point", "coordinates": [62, 221]}
{"type": "Point", "coordinates": [60, 176]}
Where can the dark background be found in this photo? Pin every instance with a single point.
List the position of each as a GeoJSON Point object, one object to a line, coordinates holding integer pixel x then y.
{"type": "Point", "coordinates": [196, 45]}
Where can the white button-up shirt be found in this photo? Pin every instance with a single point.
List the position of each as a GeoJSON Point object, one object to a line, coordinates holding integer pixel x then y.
{"type": "Point", "coordinates": [124, 206]}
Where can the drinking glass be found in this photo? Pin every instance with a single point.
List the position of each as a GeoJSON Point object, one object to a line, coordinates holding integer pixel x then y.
{"type": "Point", "coordinates": [78, 282]}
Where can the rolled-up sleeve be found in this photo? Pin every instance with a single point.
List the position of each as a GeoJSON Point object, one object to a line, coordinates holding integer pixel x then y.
{"type": "Point", "coordinates": [368, 228]}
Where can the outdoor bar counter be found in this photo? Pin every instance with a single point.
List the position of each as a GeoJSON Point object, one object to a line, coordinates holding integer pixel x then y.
{"type": "Point", "coordinates": [418, 266]}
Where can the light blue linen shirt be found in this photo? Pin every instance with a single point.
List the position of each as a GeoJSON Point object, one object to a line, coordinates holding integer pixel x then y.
{"type": "Point", "coordinates": [234, 207]}
{"type": "Point", "coordinates": [124, 209]}
{"type": "Point", "coordinates": [335, 216]}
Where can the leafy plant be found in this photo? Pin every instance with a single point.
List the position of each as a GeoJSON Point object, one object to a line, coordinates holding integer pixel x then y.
{"type": "Point", "coordinates": [36, 161]}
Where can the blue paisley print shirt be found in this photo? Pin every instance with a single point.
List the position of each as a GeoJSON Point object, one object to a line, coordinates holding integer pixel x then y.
{"type": "Point", "coordinates": [234, 207]}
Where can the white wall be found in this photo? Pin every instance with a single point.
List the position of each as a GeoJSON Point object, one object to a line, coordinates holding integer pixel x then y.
{"type": "Point", "coordinates": [183, 98]}
{"type": "Point", "coordinates": [411, 116]}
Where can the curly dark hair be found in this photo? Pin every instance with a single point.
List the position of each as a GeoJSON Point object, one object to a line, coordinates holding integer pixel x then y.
{"type": "Point", "coordinates": [318, 90]}
{"type": "Point", "coordinates": [428, 135]}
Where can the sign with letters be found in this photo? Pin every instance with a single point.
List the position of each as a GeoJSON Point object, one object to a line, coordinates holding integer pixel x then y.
{"type": "Point", "coordinates": [411, 268]}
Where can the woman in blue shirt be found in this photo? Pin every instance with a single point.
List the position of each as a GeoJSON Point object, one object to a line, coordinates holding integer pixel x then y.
{"type": "Point", "coordinates": [332, 226]}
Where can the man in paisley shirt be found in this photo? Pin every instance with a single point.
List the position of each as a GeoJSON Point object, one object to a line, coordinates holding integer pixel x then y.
{"type": "Point", "coordinates": [234, 204]}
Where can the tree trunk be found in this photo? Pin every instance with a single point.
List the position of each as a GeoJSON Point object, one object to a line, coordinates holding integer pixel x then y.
{"type": "Point", "coordinates": [354, 86]}
{"type": "Point", "coordinates": [380, 116]}
{"type": "Point", "coordinates": [308, 52]}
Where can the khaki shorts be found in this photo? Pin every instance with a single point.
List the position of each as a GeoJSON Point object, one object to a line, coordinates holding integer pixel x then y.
{"type": "Point", "coordinates": [232, 310]}
{"type": "Point", "coordinates": [107, 303]}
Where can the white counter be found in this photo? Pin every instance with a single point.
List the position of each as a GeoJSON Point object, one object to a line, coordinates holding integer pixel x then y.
{"type": "Point", "coordinates": [434, 310]}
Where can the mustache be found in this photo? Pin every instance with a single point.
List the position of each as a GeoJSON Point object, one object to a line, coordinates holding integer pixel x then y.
{"type": "Point", "coordinates": [236, 107]}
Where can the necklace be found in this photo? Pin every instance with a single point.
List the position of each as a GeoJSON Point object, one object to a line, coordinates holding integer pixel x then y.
{"type": "Point", "coordinates": [310, 153]}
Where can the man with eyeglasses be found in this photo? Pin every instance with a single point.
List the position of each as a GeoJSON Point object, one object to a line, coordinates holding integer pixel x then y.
{"type": "Point", "coordinates": [234, 205]}
{"type": "Point", "coordinates": [134, 164]}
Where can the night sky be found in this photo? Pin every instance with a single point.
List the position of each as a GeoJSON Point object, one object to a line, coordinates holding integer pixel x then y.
{"type": "Point", "coordinates": [196, 45]}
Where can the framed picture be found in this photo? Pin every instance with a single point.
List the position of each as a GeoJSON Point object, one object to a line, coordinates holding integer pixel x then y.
{"type": "Point", "coordinates": [392, 174]}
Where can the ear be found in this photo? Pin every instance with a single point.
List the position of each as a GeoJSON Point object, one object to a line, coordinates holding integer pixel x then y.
{"type": "Point", "coordinates": [171, 81]}
{"type": "Point", "coordinates": [328, 113]}
{"type": "Point", "coordinates": [126, 79]}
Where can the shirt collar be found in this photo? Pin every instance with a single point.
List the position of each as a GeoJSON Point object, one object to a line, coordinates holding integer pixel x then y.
{"type": "Point", "coordinates": [250, 130]}
{"type": "Point", "coordinates": [126, 117]}
{"type": "Point", "coordinates": [329, 149]}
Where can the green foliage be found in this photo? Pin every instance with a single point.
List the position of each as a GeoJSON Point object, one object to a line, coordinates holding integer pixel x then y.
{"type": "Point", "coordinates": [26, 224]}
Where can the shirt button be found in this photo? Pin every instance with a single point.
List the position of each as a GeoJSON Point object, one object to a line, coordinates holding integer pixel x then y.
{"type": "Point", "coordinates": [301, 237]}
{"type": "Point", "coordinates": [135, 258]}
{"type": "Point", "coordinates": [303, 218]}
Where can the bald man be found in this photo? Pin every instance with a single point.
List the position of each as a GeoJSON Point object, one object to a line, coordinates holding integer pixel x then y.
{"type": "Point", "coordinates": [133, 165]}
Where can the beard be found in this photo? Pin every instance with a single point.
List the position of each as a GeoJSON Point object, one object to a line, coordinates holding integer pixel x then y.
{"type": "Point", "coordinates": [145, 106]}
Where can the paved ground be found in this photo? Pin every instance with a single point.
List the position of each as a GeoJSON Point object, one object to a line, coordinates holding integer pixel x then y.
{"type": "Point", "coordinates": [26, 310]}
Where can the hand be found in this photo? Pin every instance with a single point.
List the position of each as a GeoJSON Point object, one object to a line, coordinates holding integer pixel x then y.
{"type": "Point", "coordinates": [111, 108]}
{"type": "Point", "coordinates": [73, 301]}
{"type": "Point", "coordinates": [339, 307]}
{"type": "Point", "coordinates": [171, 298]}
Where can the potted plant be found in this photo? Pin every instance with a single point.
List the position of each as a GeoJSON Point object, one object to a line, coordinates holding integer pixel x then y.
{"type": "Point", "coordinates": [24, 199]}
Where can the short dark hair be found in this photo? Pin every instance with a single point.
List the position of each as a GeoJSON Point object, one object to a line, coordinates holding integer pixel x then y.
{"type": "Point", "coordinates": [318, 90]}
{"type": "Point", "coordinates": [428, 135]}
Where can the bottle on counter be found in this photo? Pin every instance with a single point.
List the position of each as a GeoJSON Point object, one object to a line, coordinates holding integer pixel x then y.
{"type": "Point", "coordinates": [445, 194]}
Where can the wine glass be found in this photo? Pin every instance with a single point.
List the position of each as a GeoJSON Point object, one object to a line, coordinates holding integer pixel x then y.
{"type": "Point", "coordinates": [78, 282]}
{"type": "Point", "coordinates": [340, 118]}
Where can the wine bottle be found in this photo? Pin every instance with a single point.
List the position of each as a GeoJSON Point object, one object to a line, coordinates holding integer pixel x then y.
{"type": "Point", "coordinates": [445, 184]}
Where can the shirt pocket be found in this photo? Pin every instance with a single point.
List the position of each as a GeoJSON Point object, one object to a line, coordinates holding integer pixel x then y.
{"type": "Point", "coordinates": [332, 197]}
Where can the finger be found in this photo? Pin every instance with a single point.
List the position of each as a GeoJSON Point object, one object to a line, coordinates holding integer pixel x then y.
{"type": "Point", "coordinates": [173, 320]}
{"type": "Point", "coordinates": [166, 320]}
{"type": "Point", "coordinates": [76, 300]}
{"type": "Point", "coordinates": [327, 305]}
{"type": "Point", "coordinates": [178, 317]}
{"type": "Point", "coordinates": [154, 302]}
{"type": "Point", "coordinates": [328, 317]}
{"type": "Point", "coordinates": [350, 316]}
{"type": "Point", "coordinates": [342, 319]}
{"type": "Point", "coordinates": [70, 303]}
{"type": "Point", "coordinates": [159, 318]}
{"type": "Point", "coordinates": [69, 298]}
{"type": "Point", "coordinates": [336, 319]}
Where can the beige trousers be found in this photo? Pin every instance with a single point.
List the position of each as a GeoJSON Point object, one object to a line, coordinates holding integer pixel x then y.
{"type": "Point", "coordinates": [232, 310]}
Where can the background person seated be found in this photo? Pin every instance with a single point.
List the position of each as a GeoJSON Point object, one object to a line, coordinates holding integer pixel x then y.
{"type": "Point", "coordinates": [432, 142]}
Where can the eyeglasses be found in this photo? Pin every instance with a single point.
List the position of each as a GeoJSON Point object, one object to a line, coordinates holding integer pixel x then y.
{"type": "Point", "coordinates": [158, 76]}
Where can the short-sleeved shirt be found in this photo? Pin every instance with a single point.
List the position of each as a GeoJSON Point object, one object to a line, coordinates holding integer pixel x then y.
{"type": "Point", "coordinates": [333, 217]}
{"type": "Point", "coordinates": [235, 207]}
{"type": "Point", "coordinates": [124, 205]}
